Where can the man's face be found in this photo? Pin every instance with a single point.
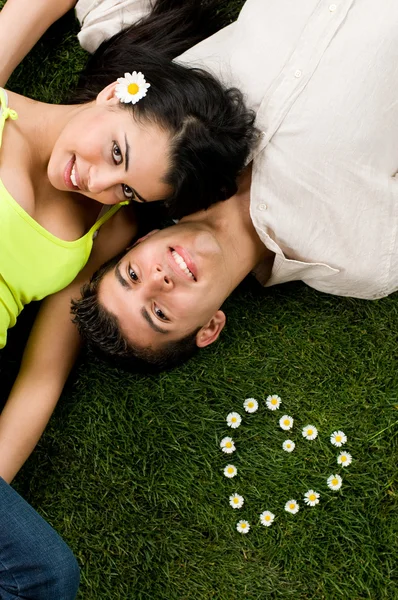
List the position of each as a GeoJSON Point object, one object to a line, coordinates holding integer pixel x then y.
{"type": "Point", "coordinates": [169, 284]}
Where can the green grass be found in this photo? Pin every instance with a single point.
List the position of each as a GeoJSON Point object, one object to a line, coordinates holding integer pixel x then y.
{"type": "Point", "coordinates": [129, 470]}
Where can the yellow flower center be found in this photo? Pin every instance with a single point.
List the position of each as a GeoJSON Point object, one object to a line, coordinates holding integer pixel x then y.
{"type": "Point", "coordinates": [233, 419]}
{"type": "Point", "coordinates": [230, 470]}
{"type": "Point", "coordinates": [243, 525]}
{"type": "Point", "coordinates": [250, 405]}
{"type": "Point", "coordinates": [228, 444]}
{"type": "Point", "coordinates": [343, 458]}
{"type": "Point", "coordinates": [236, 500]}
{"type": "Point", "coordinates": [312, 497]}
{"type": "Point", "coordinates": [132, 88]}
{"type": "Point", "coordinates": [291, 506]}
{"type": "Point", "coordinates": [286, 422]}
{"type": "Point", "coordinates": [338, 438]}
{"type": "Point", "coordinates": [274, 401]}
{"type": "Point", "coordinates": [287, 445]}
{"type": "Point", "coordinates": [267, 518]}
{"type": "Point", "coordinates": [309, 432]}
{"type": "Point", "coordinates": [335, 481]}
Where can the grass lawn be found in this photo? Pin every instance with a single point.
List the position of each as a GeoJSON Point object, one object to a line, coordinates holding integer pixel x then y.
{"type": "Point", "coordinates": [130, 470]}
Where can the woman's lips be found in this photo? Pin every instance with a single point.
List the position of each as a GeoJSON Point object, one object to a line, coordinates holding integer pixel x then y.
{"type": "Point", "coordinates": [67, 173]}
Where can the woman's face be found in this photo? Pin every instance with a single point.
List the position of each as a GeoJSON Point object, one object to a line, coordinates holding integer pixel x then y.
{"type": "Point", "coordinates": [107, 155]}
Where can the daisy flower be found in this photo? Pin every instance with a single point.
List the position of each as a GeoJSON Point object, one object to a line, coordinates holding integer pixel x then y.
{"type": "Point", "coordinates": [227, 445]}
{"type": "Point", "coordinates": [132, 87]}
{"type": "Point", "coordinates": [288, 446]}
{"type": "Point", "coordinates": [234, 420]}
{"type": "Point", "coordinates": [267, 518]}
{"type": "Point", "coordinates": [338, 438]}
{"type": "Point", "coordinates": [230, 471]}
{"type": "Point", "coordinates": [273, 402]}
{"type": "Point", "coordinates": [236, 501]}
{"type": "Point", "coordinates": [286, 422]}
{"type": "Point", "coordinates": [311, 498]}
{"type": "Point", "coordinates": [292, 507]}
{"type": "Point", "coordinates": [243, 526]}
{"type": "Point", "coordinates": [334, 482]}
{"type": "Point", "coordinates": [250, 405]}
{"type": "Point", "coordinates": [344, 459]}
{"type": "Point", "coordinates": [310, 432]}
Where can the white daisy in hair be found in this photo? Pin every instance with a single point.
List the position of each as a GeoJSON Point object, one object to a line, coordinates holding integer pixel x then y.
{"type": "Point", "coordinates": [131, 88]}
{"type": "Point", "coordinates": [311, 498]}
{"type": "Point", "coordinates": [344, 459]}
{"type": "Point", "coordinates": [334, 482]}
{"type": "Point", "coordinates": [250, 405]}
{"type": "Point", "coordinates": [236, 501]}
{"type": "Point", "coordinates": [230, 471]}
{"type": "Point", "coordinates": [292, 506]}
{"type": "Point", "coordinates": [288, 446]}
{"type": "Point", "coordinates": [286, 422]}
{"type": "Point", "coordinates": [227, 445]}
{"type": "Point", "coordinates": [273, 402]}
{"type": "Point", "coordinates": [234, 420]}
{"type": "Point", "coordinates": [310, 432]}
{"type": "Point", "coordinates": [243, 526]}
{"type": "Point", "coordinates": [267, 518]}
{"type": "Point", "coordinates": [338, 438]}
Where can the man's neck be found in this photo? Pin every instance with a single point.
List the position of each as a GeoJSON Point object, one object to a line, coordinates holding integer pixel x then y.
{"type": "Point", "coordinates": [231, 224]}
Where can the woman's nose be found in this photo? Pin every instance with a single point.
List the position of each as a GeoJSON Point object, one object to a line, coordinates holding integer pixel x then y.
{"type": "Point", "coordinates": [100, 180]}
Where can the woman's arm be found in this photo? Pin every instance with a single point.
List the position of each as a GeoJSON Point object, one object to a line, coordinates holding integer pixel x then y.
{"type": "Point", "coordinates": [22, 23]}
{"type": "Point", "coordinates": [49, 356]}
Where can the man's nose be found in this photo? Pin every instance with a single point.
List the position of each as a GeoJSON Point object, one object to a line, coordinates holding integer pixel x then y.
{"type": "Point", "coordinates": [161, 279]}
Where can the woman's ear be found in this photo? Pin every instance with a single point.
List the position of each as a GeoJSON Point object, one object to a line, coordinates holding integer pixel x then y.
{"type": "Point", "coordinates": [209, 333]}
{"type": "Point", "coordinates": [107, 96]}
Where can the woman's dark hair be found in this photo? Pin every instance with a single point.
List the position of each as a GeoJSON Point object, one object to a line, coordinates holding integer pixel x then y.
{"type": "Point", "coordinates": [212, 132]}
{"type": "Point", "coordinates": [101, 330]}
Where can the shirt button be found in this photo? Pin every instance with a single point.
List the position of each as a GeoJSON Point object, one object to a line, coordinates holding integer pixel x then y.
{"type": "Point", "coordinates": [332, 7]}
{"type": "Point", "coordinates": [297, 73]}
{"type": "Point", "coordinates": [262, 207]}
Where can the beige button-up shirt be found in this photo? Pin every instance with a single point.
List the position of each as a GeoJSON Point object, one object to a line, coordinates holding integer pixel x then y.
{"type": "Point", "coordinates": [323, 80]}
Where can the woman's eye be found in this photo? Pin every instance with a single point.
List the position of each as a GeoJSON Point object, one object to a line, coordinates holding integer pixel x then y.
{"type": "Point", "coordinates": [160, 314]}
{"type": "Point", "coordinates": [117, 154]}
{"type": "Point", "coordinates": [133, 275]}
{"type": "Point", "coordinates": [128, 193]}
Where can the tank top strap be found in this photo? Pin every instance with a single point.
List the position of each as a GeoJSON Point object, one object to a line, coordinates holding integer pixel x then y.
{"type": "Point", "coordinates": [104, 216]}
{"type": "Point", "coordinates": [5, 112]}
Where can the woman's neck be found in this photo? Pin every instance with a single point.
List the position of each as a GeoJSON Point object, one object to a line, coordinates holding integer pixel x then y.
{"type": "Point", "coordinates": [41, 124]}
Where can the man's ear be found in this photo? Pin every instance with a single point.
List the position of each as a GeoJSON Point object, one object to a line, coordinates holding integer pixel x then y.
{"type": "Point", "coordinates": [107, 97]}
{"type": "Point", "coordinates": [209, 333]}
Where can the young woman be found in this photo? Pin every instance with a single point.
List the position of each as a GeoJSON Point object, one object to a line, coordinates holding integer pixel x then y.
{"type": "Point", "coordinates": [164, 133]}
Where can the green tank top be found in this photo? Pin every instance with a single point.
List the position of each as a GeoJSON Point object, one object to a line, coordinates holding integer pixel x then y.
{"type": "Point", "coordinates": [33, 262]}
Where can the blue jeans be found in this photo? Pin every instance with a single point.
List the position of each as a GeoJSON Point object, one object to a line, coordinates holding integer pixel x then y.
{"type": "Point", "coordinates": [35, 563]}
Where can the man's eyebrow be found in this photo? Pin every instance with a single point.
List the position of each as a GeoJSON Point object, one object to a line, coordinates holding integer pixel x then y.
{"type": "Point", "coordinates": [120, 278]}
{"type": "Point", "coordinates": [155, 327]}
{"type": "Point", "coordinates": [144, 311]}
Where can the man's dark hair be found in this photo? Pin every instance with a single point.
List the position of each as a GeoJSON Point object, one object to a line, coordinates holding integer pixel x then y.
{"type": "Point", "coordinates": [212, 132]}
{"type": "Point", "coordinates": [101, 330]}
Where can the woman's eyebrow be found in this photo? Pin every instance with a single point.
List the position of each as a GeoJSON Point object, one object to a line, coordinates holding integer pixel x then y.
{"type": "Point", "coordinates": [126, 153]}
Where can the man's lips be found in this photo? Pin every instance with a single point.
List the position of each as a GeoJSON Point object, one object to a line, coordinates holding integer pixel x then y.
{"type": "Point", "coordinates": [176, 255]}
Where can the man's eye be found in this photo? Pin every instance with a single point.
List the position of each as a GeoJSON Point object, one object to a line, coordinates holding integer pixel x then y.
{"type": "Point", "coordinates": [116, 154]}
{"type": "Point", "coordinates": [127, 192]}
{"type": "Point", "coordinates": [133, 275]}
{"type": "Point", "coordinates": [160, 314]}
